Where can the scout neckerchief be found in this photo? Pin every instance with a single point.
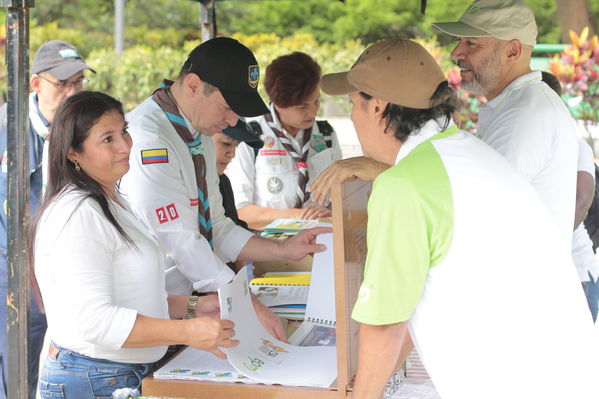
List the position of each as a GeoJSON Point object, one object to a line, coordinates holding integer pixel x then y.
{"type": "Point", "coordinates": [301, 160]}
{"type": "Point", "coordinates": [41, 127]}
{"type": "Point", "coordinates": [196, 149]}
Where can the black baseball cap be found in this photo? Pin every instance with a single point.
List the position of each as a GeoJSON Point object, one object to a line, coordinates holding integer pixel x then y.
{"type": "Point", "coordinates": [242, 132]}
{"type": "Point", "coordinates": [232, 68]}
{"type": "Point", "coordinates": [60, 59]}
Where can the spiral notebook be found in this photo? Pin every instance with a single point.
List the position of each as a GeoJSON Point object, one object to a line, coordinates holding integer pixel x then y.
{"type": "Point", "coordinates": [318, 328]}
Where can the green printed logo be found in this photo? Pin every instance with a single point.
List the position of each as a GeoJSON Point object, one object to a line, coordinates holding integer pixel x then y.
{"type": "Point", "coordinates": [230, 304]}
{"type": "Point", "coordinates": [255, 364]}
{"type": "Point", "coordinates": [472, 9]}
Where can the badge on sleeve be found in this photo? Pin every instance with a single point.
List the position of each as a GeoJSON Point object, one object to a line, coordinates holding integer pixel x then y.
{"type": "Point", "coordinates": [167, 213]}
{"type": "Point", "coordinates": [159, 155]}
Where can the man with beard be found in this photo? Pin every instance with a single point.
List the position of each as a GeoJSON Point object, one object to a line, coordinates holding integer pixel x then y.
{"type": "Point", "coordinates": [523, 119]}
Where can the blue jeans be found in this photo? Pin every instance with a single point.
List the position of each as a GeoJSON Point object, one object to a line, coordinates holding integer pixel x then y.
{"type": "Point", "coordinates": [591, 291]}
{"type": "Point", "coordinates": [35, 337]}
{"type": "Point", "coordinates": [70, 375]}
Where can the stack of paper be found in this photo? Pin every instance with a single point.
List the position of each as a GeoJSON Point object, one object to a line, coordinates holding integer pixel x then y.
{"type": "Point", "coordinates": [284, 293]}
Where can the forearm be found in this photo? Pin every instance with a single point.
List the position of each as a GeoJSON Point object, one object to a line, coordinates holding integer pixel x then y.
{"type": "Point", "coordinates": [150, 331]}
{"type": "Point", "coordinates": [257, 216]}
{"type": "Point", "coordinates": [177, 306]}
{"type": "Point", "coordinates": [261, 249]}
{"type": "Point", "coordinates": [379, 351]}
{"type": "Point", "coordinates": [585, 191]}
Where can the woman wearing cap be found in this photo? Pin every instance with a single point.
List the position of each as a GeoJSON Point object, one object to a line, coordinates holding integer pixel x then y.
{"type": "Point", "coordinates": [100, 273]}
{"type": "Point", "coordinates": [271, 183]}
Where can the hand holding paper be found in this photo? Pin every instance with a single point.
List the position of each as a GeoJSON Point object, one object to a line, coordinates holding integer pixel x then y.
{"type": "Point", "coordinates": [304, 242]}
{"type": "Point", "coordinates": [209, 334]}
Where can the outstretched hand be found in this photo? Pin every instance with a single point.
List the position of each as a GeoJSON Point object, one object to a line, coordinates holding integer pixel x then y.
{"type": "Point", "coordinates": [314, 212]}
{"type": "Point", "coordinates": [270, 321]}
{"type": "Point", "coordinates": [362, 168]}
{"type": "Point", "coordinates": [304, 243]}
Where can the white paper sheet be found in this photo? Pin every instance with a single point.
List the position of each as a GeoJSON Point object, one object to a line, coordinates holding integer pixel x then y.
{"type": "Point", "coordinates": [319, 324]}
{"type": "Point", "coordinates": [196, 364]}
{"type": "Point", "coordinates": [264, 358]}
{"type": "Point", "coordinates": [321, 297]}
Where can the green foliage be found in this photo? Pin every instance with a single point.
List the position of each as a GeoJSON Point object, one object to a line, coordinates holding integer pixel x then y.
{"type": "Point", "coordinates": [577, 67]}
{"type": "Point", "coordinates": [136, 73]}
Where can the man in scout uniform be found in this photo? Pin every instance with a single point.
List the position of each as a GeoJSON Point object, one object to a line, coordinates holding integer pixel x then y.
{"type": "Point", "coordinates": [57, 72]}
{"type": "Point", "coordinates": [173, 183]}
{"type": "Point", "coordinates": [439, 276]}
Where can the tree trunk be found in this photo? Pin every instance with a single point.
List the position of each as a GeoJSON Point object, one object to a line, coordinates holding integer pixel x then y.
{"type": "Point", "coordinates": [575, 15]}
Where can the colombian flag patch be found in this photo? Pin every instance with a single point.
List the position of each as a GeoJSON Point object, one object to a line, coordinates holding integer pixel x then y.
{"type": "Point", "coordinates": [154, 156]}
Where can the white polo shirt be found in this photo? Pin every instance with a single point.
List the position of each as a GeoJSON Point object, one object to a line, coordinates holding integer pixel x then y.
{"type": "Point", "coordinates": [461, 247]}
{"type": "Point", "coordinates": [531, 127]}
{"type": "Point", "coordinates": [93, 282]}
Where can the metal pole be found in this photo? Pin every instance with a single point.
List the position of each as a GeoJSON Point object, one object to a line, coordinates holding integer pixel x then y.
{"type": "Point", "coordinates": [119, 26]}
{"type": "Point", "coordinates": [17, 300]}
{"type": "Point", "coordinates": [207, 19]}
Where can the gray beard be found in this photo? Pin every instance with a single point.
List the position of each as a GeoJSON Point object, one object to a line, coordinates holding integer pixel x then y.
{"type": "Point", "coordinates": [485, 79]}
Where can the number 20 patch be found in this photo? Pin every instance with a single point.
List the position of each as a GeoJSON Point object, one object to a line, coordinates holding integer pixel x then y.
{"type": "Point", "coordinates": [167, 213]}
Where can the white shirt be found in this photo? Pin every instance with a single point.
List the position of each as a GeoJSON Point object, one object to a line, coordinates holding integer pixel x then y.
{"type": "Point", "coordinates": [270, 179]}
{"type": "Point", "coordinates": [531, 127]}
{"type": "Point", "coordinates": [93, 283]}
{"type": "Point", "coordinates": [165, 197]}
{"type": "Point", "coordinates": [493, 310]}
{"type": "Point", "coordinates": [582, 246]}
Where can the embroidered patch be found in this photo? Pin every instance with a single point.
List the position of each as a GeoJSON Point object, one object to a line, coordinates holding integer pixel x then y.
{"type": "Point", "coordinates": [269, 142]}
{"type": "Point", "coordinates": [253, 76]}
{"type": "Point", "coordinates": [172, 211]}
{"type": "Point", "coordinates": [161, 213]}
{"type": "Point", "coordinates": [159, 155]}
{"type": "Point", "coordinates": [274, 185]}
{"type": "Point", "coordinates": [273, 152]}
{"type": "Point", "coordinates": [69, 53]}
{"type": "Point", "coordinates": [317, 143]}
{"type": "Point", "coordinates": [167, 213]}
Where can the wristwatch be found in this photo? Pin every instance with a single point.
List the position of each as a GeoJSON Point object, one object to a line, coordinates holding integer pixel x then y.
{"type": "Point", "coordinates": [192, 306]}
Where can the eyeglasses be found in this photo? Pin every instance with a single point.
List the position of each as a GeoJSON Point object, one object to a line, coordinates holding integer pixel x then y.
{"type": "Point", "coordinates": [64, 84]}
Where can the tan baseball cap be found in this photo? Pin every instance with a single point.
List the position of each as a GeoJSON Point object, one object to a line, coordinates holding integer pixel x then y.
{"type": "Point", "coordinates": [503, 19]}
{"type": "Point", "coordinates": [395, 70]}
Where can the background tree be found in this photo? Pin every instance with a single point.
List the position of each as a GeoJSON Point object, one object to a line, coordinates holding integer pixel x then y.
{"type": "Point", "coordinates": [575, 15]}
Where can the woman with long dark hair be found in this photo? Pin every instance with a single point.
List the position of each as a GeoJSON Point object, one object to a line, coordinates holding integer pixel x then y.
{"type": "Point", "coordinates": [100, 273]}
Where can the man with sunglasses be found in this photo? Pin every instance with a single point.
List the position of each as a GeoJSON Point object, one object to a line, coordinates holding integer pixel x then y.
{"type": "Point", "coordinates": [56, 73]}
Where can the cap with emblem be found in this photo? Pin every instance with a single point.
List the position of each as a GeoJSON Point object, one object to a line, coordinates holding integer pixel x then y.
{"type": "Point", "coordinates": [242, 132]}
{"type": "Point", "coordinates": [396, 70]}
{"type": "Point", "coordinates": [232, 68]}
{"type": "Point", "coordinates": [502, 19]}
{"type": "Point", "coordinates": [59, 59]}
